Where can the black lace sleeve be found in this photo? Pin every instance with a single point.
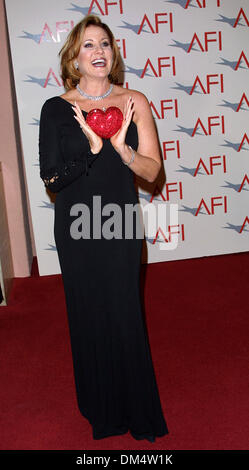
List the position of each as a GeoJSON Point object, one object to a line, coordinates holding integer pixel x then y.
{"type": "Point", "coordinates": [55, 172]}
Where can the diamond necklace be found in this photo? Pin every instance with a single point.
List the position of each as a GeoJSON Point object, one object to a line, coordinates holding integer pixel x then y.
{"type": "Point", "coordinates": [94, 98]}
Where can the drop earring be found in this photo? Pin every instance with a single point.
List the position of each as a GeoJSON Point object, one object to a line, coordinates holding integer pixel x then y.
{"type": "Point", "coordinates": [76, 65]}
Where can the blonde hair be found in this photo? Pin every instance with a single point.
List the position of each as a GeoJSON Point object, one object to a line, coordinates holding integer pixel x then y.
{"type": "Point", "coordinates": [70, 50]}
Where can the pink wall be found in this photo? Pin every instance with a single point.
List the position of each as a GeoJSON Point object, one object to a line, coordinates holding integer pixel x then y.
{"type": "Point", "coordinates": [18, 213]}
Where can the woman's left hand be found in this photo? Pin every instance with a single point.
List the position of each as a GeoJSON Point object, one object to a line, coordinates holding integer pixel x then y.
{"type": "Point", "coordinates": [118, 139]}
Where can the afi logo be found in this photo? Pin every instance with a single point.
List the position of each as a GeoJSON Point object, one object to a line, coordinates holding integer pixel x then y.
{"type": "Point", "coordinates": [168, 19]}
{"type": "Point", "coordinates": [166, 105]}
{"type": "Point", "coordinates": [60, 27]}
{"type": "Point", "coordinates": [208, 37]}
{"type": "Point", "coordinates": [162, 62]}
{"type": "Point", "coordinates": [211, 211]}
{"type": "Point", "coordinates": [211, 123]}
{"type": "Point", "coordinates": [212, 79]}
{"type": "Point", "coordinates": [176, 188]}
{"type": "Point", "coordinates": [169, 237]}
{"type": "Point", "coordinates": [216, 160]}
{"type": "Point", "coordinates": [105, 6]}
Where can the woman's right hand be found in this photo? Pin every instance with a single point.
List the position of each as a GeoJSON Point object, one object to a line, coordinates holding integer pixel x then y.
{"type": "Point", "coordinates": [96, 143]}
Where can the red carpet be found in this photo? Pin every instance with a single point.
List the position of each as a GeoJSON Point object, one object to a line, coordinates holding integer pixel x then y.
{"type": "Point", "coordinates": [197, 319]}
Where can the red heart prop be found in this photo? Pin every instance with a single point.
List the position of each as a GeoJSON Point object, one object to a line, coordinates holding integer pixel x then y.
{"type": "Point", "coordinates": [105, 123]}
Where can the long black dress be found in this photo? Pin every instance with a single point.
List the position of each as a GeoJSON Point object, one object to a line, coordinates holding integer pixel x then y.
{"type": "Point", "coordinates": [114, 377]}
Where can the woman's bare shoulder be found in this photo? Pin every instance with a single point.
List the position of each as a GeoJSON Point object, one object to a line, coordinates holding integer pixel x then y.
{"type": "Point", "coordinates": [140, 101]}
{"type": "Point", "coordinates": [130, 92]}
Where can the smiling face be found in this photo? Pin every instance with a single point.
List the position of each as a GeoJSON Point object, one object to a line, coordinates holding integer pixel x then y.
{"type": "Point", "coordinates": [95, 56]}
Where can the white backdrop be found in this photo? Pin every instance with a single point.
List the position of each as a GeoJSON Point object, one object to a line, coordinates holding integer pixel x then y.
{"type": "Point", "coordinates": [191, 59]}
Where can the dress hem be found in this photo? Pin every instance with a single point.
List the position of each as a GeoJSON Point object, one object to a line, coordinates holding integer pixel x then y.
{"type": "Point", "coordinates": [149, 437]}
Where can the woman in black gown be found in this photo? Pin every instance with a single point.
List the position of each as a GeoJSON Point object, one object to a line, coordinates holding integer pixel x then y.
{"type": "Point", "coordinates": [114, 377]}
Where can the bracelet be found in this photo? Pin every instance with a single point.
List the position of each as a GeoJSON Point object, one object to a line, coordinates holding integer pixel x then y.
{"type": "Point", "coordinates": [132, 156]}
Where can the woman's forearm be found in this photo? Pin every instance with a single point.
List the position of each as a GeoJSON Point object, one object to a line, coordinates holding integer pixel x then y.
{"type": "Point", "coordinates": [143, 166]}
